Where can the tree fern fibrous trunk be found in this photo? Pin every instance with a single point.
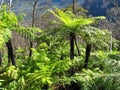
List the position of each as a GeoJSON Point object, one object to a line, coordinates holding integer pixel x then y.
{"type": "Point", "coordinates": [0, 58]}
{"type": "Point", "coordinates": [77, 46]}
{"type": "Point", "coordinates": [119, 46]}
{"type": "Point", "coordinates": [30, 53]}
{"type": "Point", "coordinates": [87, 55]}
{"type": "Point", "coordinates": [10, 53]}
{"type": "Point", "coordinates": [72, 38]}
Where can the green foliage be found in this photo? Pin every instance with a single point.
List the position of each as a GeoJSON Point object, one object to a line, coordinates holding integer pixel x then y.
{"type": "Point", "coordinates": [7, 17]}
{"type": "Point", "coordinates": [61, 66]}
{"type": "Point", "coordinates": [49, 66]}
{"type": "Point", "coordinates": [106, 61]}
{"type": "Point", "coordinates": [42, 70]}
{"type": "Point", "coordinates": [39, 71]}
{"type": "Point", "coordinates": [94, 35]}
{"type": "Point", "coordinates": [87, 78]}
{"type": "Point", "coordinates": [114, 55]}
{"type": "Point", "coordinates": [7, 20]}
{"type": "Point", "coordinates": [9, 72]}
{"type": "Point", "coordinates": [30, 33]}
{"type": "Point", "coordinates": [70, 20]}
{"type": "Point", "coordinates": [5, 35]}
{"type": "Point", "coordinates": [1, 81]}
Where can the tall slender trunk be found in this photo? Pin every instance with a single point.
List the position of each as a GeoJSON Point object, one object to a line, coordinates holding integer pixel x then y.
{"type": "Point", "coordinates": [119, 46]}
{"type": "Point", "coordinates": [72, 38]}
{"type": "Point", "coordinates": [33, 24]}
{"type": "Point", "coordinates": [30, 52]}
{"type": "Point", "coordinates": [10, 53]}
{"type": "Point", "coordinates": [0, 58]}
{"type": "Point", "coordinates": [77, 46]}
{"type": "Point", "coordinates": [87, 55]}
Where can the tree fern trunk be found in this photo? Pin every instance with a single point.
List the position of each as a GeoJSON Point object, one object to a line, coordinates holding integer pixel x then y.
{"type": "Point", "coordinates": [72, 38]}
{"type": "Point", "coordinates": [10, 53]}
{"type": "Point", "coordinates": [30, 53]}
{"type": "Point", "coordinates": [119, 46]}
{"type": "Point", "coordinates": [88, 49]}
{"type": "Point", "coordinates": [0, 58]}
{"type": "Point", "coordinates": [77, 46]}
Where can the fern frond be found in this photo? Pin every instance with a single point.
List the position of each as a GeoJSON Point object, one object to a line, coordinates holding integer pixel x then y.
{"type": "Point", "coordinates": [71, 21]}
{"type": "Point", "coordinates": [29, 33]}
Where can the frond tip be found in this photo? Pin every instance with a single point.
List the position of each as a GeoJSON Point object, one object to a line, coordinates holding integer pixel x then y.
{"type": "Point", "coordinates": [100, 17]}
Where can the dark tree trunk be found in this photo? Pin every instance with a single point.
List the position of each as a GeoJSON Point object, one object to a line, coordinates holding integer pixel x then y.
{"type": "Point", "coordinates": [33, 12]}
{"type": "Point", "coordinates": [10, 53]}
{"type": "Point", "coordinates": [33, 24]}
{"type": "Point", "coordinates": [72, 38]}
{"type": "Point", "coordinates": [87, 55]}
{"type": "Point", "coordinates": [77, 46]}
{"type": "Point", "coordinates": [119, 46]}
{"type": "Point", "coordinates": [30, 52]}
{"type": "Point", "coordinates": [0, 58]}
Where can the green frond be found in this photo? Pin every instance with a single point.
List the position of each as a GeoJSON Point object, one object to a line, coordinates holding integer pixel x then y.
{"type": "Point", "coordinates": [65, 18]}
{"type": "Point", "coordinates": [100, 17]}
{"type": "Point", "coordinates": [27, 32]}
{"type": "Point", "coordinates": [5, 35]}
{"type": "Point", "coordinates": [70, 20]}
{"type": "Point", "coordinates": [7, 20]}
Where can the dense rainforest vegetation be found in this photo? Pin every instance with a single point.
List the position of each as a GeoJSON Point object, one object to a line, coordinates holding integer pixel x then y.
{"type": "Point", "coordinates": [71, 52]}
